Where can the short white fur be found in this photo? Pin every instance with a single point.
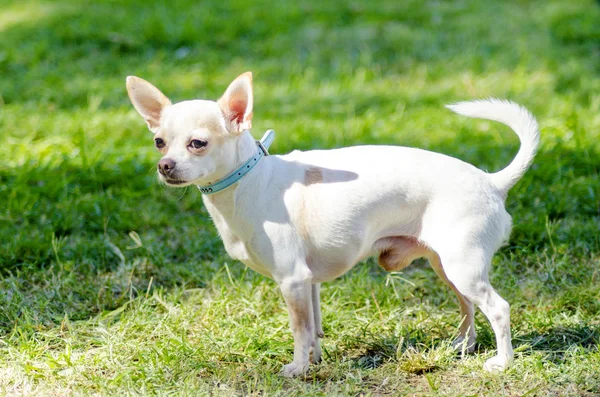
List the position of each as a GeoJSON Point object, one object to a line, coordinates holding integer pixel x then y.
{"type": "Point", "coordinates": [308, 217]}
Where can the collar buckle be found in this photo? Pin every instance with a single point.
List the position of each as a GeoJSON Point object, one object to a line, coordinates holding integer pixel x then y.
{"type": "Point", "coordinates": [266, 141]}
{"type": "Point", "coordinates": [262, 148]}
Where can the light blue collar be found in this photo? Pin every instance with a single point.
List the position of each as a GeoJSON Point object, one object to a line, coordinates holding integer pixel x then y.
{"type": "Point", "coordinates": [239, 172]}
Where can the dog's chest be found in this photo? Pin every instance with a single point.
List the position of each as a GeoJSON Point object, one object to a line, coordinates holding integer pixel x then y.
{"type": "Point", "coordinates": [235, 246]}
{"type": "Point", "coordinates": [238, 249]}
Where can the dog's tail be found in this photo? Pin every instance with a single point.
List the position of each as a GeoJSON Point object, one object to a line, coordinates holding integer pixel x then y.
{"type": "Point", "coordinates": [520, 120]}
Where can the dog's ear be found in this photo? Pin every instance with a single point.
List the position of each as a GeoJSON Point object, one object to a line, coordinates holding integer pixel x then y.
{"type": "Point", "coordinates": [147, 100]}
{"type": "Point", "coordinates": [236, 104]}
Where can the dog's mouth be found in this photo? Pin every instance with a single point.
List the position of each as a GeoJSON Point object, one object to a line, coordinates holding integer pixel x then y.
{"type": "Point", "coordinates": [174, 182]}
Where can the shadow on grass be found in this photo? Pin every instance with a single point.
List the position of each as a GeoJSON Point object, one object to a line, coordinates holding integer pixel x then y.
{"type": "Point", "coordinates": [414, 351]}
{"type": "Point", "coordinates": [375, 353]}
{"type": "Point", "coordinates": [556, 342]}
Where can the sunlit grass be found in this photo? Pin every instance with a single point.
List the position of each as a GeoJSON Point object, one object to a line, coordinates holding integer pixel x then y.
{"type": "Point", "coordinates": [111, 283]}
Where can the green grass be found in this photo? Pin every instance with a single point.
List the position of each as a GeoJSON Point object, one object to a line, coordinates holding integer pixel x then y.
{"type": "Point", "coordinates": [112, 284]}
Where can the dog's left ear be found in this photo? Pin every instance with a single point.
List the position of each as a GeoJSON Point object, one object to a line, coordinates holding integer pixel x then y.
{"type": "Point", "coordinates": [236, 104]}
{"type": "Point", "coordinates": [147, 100]}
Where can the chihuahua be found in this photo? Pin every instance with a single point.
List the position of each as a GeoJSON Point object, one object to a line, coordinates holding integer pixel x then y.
{"type": "Point", "coordinates": [308, 217]}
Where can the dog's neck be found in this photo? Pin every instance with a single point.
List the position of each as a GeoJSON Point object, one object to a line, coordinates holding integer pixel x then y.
{"type": "Point", "coordinates": [229, 210]}
{"type": "Point", "coordinates": [246, 148]}
{"type": "Point", "coordinates": [223, 201]}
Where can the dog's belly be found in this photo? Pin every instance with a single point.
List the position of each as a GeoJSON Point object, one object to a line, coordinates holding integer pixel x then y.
{"type": "Point", "coordinates": [395, 253]}
{"type": "Point", "coordinates": [327, 267]}
{"type": "Point", "coordinates": [330, 253]}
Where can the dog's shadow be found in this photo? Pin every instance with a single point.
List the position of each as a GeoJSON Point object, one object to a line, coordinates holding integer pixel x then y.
{"type": "Point", "coordinates": [556, 342]}
{"type": "Point", "coordinates": [553, 343]}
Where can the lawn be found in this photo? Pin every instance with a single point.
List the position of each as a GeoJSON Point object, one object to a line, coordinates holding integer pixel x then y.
{"type": "Point", "coordinates": [112, 284]}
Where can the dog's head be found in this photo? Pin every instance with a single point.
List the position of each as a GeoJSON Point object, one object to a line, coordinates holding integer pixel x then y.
{"type": "Point", "coordinates": [198, 138]}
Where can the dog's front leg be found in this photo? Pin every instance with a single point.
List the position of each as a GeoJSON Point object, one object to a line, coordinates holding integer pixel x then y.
{"type": "Point", "coordinates": [297, 292]}
{"type": "Point", "coordinates": [316, 304]}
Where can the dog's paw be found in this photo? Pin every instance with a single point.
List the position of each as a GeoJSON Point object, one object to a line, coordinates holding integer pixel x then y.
{"type": "Point", "coordinates": [293, 369]}
{"type": "Point", "coordinates": [496, 364]}
{"type": "Point", "coordinates": [315, 354]}
{"type": "Point", "coordinates": [461, 344]}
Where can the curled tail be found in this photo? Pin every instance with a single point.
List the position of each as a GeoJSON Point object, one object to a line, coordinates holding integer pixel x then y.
{"type": "Point", "coordinates": [520, 120]}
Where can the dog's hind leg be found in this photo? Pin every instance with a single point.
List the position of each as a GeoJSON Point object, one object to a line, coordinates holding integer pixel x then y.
{"type": "Point", "coordinates": [467, 270]}
{"type": "Point", "coordinates": [395, 253]}
{"type": "Point", "coordinates": [467, 336]}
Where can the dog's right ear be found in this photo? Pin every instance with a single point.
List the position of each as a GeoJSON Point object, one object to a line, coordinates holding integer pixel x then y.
{"type": "Point", "coordinates": [147, 100]}
{"type": "Point", "coordinates": [236, 104]}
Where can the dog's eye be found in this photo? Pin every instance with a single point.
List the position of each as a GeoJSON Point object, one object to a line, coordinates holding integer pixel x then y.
{"type": "Point", "coordinates": [198, 144]}
{"type": "Point", "coordinates": [159, 143]}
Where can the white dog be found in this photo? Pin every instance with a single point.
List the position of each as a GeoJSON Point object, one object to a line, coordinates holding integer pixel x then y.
{"type": "Point", "coordinates": [308, 217]}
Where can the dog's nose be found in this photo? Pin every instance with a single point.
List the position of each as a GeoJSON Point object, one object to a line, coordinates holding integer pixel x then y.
{"type": "Point", "coordinates": [166, 166]}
